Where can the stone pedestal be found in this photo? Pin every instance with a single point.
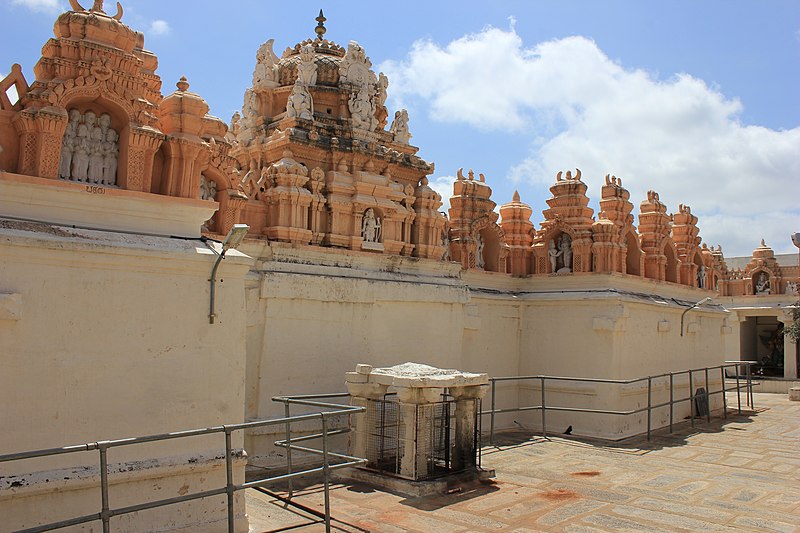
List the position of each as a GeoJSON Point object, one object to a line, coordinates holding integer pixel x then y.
{"type": "Point", "coordinates": [420, 392]}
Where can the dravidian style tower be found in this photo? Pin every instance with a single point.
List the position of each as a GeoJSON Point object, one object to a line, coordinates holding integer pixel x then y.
{"type": "Point", "coordinates": [317, 163]}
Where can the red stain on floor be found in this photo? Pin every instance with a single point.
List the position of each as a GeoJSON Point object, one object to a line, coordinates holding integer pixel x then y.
{"type": "Point", "coordinates": [587, 473]}
{"type": "Point", "coordinates": [559, 495]}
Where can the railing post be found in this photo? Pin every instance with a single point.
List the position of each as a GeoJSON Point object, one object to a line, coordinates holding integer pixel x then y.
{"type": "Point", "coordinates": [724, 398]}
{"type": "Point", "coordinates": [544, 409]}
{"type": "Point", "coordinates": [229, 477]}
{"type": "Point", "coordinates": [491, 416]}
{"type": "Point", "coordinates": [738, 389]}
{"type": "Point", "coordinates": [691, 397]}
{"type": "Point", "coordinates": [326, 473]}
{"type": "Point", "coordinates": [649, 403]}
{"type": "Point", "coordinates": [288, 446]}
{"type": "Point", "coordinates": [708, 397]}
{"type": "Point", "coordinates": [104, 514]}
{"type": "Point", "coordinates": [750, 388]}
{"type": "Point", "coordinates": [671, 400]}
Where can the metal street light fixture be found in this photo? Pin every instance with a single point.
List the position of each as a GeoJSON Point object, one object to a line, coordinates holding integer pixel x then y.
{"type": "Point", "coordinates": [232, 241]}
{"type": "Point", "coordinates": [701, 302]}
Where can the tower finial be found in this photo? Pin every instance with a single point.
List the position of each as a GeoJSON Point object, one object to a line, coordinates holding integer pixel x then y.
{"type": "Point", "coordinates": [320, 29]}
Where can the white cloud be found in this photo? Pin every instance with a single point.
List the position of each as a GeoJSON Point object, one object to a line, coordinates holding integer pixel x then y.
{"type": "Point", "coordinates": [679, 136]}
{"type": "Point", "coordinates": [159, 27]}
{"type": "Point", "coordinates": [44, 6]}
{"type": "Point", "coordinates": [443, 185]}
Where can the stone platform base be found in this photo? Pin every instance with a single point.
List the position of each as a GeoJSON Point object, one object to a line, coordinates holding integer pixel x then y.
{"type": "Point", "coordinates": [415, 489]}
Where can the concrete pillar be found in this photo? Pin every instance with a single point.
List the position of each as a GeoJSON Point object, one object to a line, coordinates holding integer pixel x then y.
{"type": "Point", "coordinates": [464, 452]}
{"type": "Point", "coordinates": [416, 424]}
{"type": "Point", "coordinates": [364, 423]}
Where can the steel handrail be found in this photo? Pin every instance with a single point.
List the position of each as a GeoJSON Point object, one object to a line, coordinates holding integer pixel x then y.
{"type": "Point", "coordinates": [107, 512]}
{"type": "Point", "coordinates": [543, 407]}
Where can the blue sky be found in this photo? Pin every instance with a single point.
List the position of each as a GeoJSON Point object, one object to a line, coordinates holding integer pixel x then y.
{"type": "Point", "coordinates": [696, 100]}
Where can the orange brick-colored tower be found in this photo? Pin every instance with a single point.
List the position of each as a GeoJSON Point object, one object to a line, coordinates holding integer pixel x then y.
{"type": "Point", "coordinates": [661, 258]}
{"type": "Point", "coordinates": [564, 242]}
{"type": "Point", "coordinates": [518, 231]}
{"type": "Point", "coordinates": [476, 241]}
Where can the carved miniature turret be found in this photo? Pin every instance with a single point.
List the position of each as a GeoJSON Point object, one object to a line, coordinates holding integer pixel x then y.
{"type": "Point", "coordinates": [616, 246]}
{"type": "Point", "coordinates": [762, 273]}
{"type": "Point", "coordinates": [661, 261]}
{"type": "Point", "coordinates": [564, 242]}
{"type": "Point", "coordinates": [476, 241]}
{"type": "Point", "coordinates": [518, 234]}
{"type": "Point", "coordinates": [687, 244]}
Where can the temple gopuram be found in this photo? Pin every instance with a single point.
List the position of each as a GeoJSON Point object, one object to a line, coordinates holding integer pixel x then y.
{"type": "Point", "coordinates": [131, 304]}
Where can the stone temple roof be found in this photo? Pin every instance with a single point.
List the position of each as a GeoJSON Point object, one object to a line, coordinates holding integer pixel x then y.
{"type": "Point", "coordinates": [784, 260]}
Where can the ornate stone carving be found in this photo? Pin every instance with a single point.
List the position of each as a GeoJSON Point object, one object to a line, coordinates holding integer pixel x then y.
{"type": "Point", "coordinates": [560, 254]}
{"type": "Point", "coordinates": [399, 127]}
{"type": "Point", "coordinates": [300, 104]}
{"type": "Point", "coordinates": [307, 69]}
{"type": "Point", "coordinates": [370, 227]}
{"type": "Point", "coordinates": [761, 283]}
{"type": "Point", "coordinates": [265, 74]}
{"type": "Point", "coordinates": [355, 66]}
{"type": "Point", "coordinates": [362, 110]}
{"type": "Point", "coordinates": [89, 149]}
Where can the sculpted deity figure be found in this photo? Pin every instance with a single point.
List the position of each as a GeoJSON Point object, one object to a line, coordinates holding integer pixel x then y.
{"type": "Point", "coordinates": [355, 66]}
{"type": "Point", "coordinates": [399, 127]}
{"type": "Point", "coordinates": [300, 104]}
{"type": "Point", "coordinates": [479, 261]}
{"type": "Point", "coordinates": [105, 122]}
{"type": "Point", "coordinates": [110, 158]}
{"type": "Point", "coordinates": [80, 156]}
{"type": "Point", "coordinates": [96, 156]}
{"type": "Point", "coordinates": [307, 69]}
{"type": "Point", "coordinates": [565, 246]}
{"type": "Point", "coordinates": [554, 255]}
{"type": "Point", "coordinates": [68, 144]}
{"type": "Point", "coordinates": [380, 90]}
{"type": "Point", "coordinates": [701, 277]}
{"type": "Point", "coordinates": [791, 287]}
{"type": "Point", "coordinates": [762, 283]}
{"type": "Point", "coordinates": [370, 226]}
{"type": "Point", "coordinates": [362, 110]}
{"type": "Point", "coordinates": [266, 73]}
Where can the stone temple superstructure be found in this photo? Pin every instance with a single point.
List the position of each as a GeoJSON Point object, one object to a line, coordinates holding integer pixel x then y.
{"type": "Point", "coordinates": [316, 162]}
{"type": "Point", "coordinates": [112, 194]}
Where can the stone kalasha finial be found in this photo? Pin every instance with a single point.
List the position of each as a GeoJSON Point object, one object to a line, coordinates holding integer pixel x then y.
{"type": "Point", "coordinates": [515, 197]}
{"type": "Point", "coordinates": [97, 8]}
{"type": "Point", "coordinates": [320, 29]}
{"type": "Point", "coordinates": [183, 84]}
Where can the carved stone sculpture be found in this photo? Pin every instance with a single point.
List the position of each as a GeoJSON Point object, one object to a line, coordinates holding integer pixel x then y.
{"type": "Point", "coordinates": [300, 104]}
{"type": "Point", "coordinates": [355, 66]}
{"type": "Point", "coordinates": [370, 227]}
{"type": "Point", "coordinates": [399, 127]}
{"type": "Point", "coordinates": [701, 277]}
{"type": "Point", "coordinates": [762, 283]}
{"type": "Point", "coordinates": [362, 110]}
{"type": "Point", "coordinates": [565, 246]}
{"type": "Point", "coordinates": [68, 144]}
{"type": "Point", "coordinates": [554, 254]}
{"type": "Point", "coordinates": [90, 149]}
{"type": "Point", "coordinates": [480, 263]}
{"type": "Point", "coordinates": [307, 69]}
{"type": "Point", "coordinates": [265, 74]}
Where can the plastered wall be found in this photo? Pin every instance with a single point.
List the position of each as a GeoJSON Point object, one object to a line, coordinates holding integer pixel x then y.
{"type": "Point", "coordinates": [93, 350]}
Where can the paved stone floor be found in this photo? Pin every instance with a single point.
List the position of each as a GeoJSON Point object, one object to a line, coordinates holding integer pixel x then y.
{"type": "Point", "coordinates": [742, 474]}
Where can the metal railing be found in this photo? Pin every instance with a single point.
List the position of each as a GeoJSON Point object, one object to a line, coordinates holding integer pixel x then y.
{"type": "Point", "coordinates": [670, 376]}
{"type": "Point", "coordinates": [107, 513]}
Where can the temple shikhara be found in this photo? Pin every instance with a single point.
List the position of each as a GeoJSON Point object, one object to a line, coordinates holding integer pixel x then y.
{"type": "Point", "coordinates": [115, 197]}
